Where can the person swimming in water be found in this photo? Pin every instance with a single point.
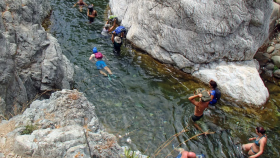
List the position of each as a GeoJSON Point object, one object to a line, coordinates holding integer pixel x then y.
{"type": "Point", "coordinates": [256, 149]}
{"type": "Point", "coordinates": [81, 4]}
{"type": "Point", "coordinates": [91, 13]}
{"type": "Point", "coordinates": [100, 64]}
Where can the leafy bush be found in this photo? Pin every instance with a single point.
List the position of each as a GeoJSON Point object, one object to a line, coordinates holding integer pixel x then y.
{"type": "Point", "coordinates": [29, 129]}
{"type": "Point", "coordinates": [128, 155]}
{"type": "Point", "coordinates": [275, 68]}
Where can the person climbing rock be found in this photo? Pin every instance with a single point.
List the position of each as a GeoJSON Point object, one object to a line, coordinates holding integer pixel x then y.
{"type": "Point", "coordinates": [117, 42]}
{"type": "Point", "coordinates": [256, 149]}
{"type": "Point", "coordinates": [81, 4]}
{"type": "Point", "coordinates": [214, 92]}
{"type": "Point", "coordinates": [107, 28]}
{"type": "Point", "coordinates": [91, 13]}
{"type": "Point", "coordinates": [100, 64]}
{"type": "Point", "coordinates": [200, 106]}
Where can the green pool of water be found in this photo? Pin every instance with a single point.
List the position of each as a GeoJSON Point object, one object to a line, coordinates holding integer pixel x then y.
{"type": "Point", "coordinates": [148, 101]}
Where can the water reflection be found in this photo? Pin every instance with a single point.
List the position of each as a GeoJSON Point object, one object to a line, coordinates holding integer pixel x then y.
{"type": "Point", "coordinates": [148, 101]}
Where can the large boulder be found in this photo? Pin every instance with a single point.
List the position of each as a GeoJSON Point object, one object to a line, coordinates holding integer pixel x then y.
{"type": "Point", "coordinates": [63, 126]}
{"type": "Point", "coordinates": [31, 59]}
{"type": "Point", "coordinates": [238, 81]}
{"type": "Point", "coordinates": [193, 33]}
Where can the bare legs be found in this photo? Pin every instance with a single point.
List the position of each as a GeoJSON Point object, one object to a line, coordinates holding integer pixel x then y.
{"type": "Point", "coordinates": [107, 69]}
{"type": "Point", "coordinates": [247, 147]}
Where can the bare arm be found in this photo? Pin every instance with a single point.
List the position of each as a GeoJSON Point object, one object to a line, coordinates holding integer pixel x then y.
{"type": "Point", "coordinates": [75, 4]}
{"type": "Point", "coordinates": [88, 12]}
{"type": "Point", "coordinates": [92, 56]}
{"type": "Point", "coordinates": [192, 99]}
{"type": "Point", "coordinates": [112, 38]}
{"type": "Point", "coordinates": [250, 139]}
{"type": "Point", "coordinates": [111, 29]}
{"type": "Point", "coordinates": [85, 4]}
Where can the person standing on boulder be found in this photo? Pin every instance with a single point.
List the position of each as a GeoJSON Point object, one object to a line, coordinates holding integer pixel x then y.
{"type": "Point", "coordinates": [81, 4]}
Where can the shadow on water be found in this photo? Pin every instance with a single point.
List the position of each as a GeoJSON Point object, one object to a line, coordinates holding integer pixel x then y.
{"type": "Point", "coordinates": [148, 101]}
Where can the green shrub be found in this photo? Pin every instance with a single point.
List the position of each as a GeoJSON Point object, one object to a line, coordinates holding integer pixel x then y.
{"type": "Point", "coordinates": [29, 129]}
{"type": "Point", "coordinates": [275, 68]}
{"type": "Point", "coordinates": [128, 154]}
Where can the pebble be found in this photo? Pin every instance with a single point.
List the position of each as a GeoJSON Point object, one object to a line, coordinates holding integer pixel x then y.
{"type": "Point", "coordinates": [270, 49]}
{"type": "Point", "coordinates": [128, 140]}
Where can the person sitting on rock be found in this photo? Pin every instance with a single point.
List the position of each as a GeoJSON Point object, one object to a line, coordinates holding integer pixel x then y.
{"type": "Point", "coordinates": [91, 13]}
{"type": "Point", "coordinates": [100, 64]}
{"type": "Point", "coordinates": [81, 4]}
{"type": "Point", "coordinates": [117, 42]}
{"type": "Point", "coordinates": [256, 149]}
{"type": "Point", "coordinates": [215, 93]}
{"type": "Point", "coordinates": [107, 28]}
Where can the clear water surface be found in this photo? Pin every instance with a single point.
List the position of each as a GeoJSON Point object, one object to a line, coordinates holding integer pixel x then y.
{"type": "Point", "coordinates": [148, 101]}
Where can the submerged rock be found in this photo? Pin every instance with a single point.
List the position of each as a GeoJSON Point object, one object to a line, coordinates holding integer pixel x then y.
{"type": "Point", "coordinates": [193, 33]}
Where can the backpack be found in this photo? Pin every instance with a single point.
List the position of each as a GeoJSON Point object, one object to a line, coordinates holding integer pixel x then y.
{"type": "Point", "coordinates": [98, 55]}
{"type": "Point", "coordinates": [218, 93]}
{"type": "Point", "coordinates": [119, 30]}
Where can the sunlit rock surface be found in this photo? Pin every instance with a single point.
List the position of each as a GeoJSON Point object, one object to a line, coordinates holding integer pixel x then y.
{"type": "Point", "coordinates": [238, 80]}
{"type": "Point", "coordinates": [193, 33]}
{"type": "Point", "coordinates": [31, 59]}
{"type": "Point", "coordinates": [66, 126]}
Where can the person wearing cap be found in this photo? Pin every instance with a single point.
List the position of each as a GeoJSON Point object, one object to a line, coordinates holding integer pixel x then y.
{"type": "Point", "coordinates": [100, 64]}
{"type": "Point", "coordinates": [107, 28]}
{"type": "Point", "coordinates": [81, 4]}
{"type": "Point", "coordinates": [200, 106]}
{"type": "Point", "coordinates": [117, 42]}
{"type": "Point", "coordinates": [91, 13]}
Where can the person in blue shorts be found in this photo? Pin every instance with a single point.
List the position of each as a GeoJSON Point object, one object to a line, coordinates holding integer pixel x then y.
{"type": "Point", "coordinates": [214, 92]}
{"type": "Point", "coordinates": [100, 64]}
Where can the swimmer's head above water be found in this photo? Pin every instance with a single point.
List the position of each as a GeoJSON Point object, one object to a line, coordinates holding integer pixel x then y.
{"type": "Point", "coordinates": [94, 50]}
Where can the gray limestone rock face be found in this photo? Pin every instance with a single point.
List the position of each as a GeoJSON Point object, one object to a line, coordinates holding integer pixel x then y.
{"type": "Point", "coordinates": [66, 126]}
{"type": "Point", "coordinates": [191, 33]}
{"type": "Point", "coordinates": [31, 60]}
{"type": "Point", "coordinates": [196, 29]}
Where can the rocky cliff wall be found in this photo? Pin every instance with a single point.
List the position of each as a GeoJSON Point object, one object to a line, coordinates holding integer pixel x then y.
{"type": "Point", "coordinates": [31, 59]}
{"type": "Point", "coordinates": [190, 34]}
{"type": "Point", "coordinates": [63, 126]}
